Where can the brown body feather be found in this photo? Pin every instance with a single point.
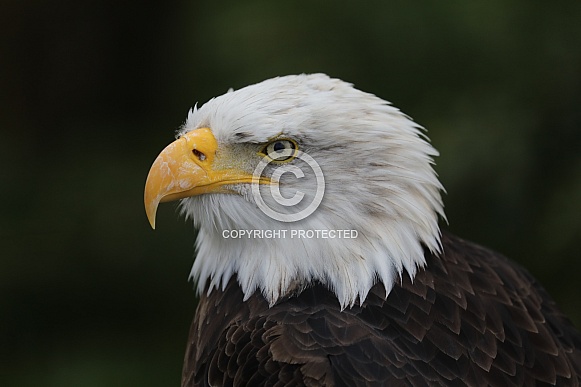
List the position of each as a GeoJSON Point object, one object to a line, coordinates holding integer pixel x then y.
{"type": "Point", "coordinates": [472, 317]}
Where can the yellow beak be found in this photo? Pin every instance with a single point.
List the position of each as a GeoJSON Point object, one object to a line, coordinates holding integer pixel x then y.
{"type": "Point", "coordinates": [186, 168]}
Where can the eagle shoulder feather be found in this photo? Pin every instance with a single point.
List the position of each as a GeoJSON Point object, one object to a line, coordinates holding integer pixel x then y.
{"type": "Point", "coordinates": [471, 316]}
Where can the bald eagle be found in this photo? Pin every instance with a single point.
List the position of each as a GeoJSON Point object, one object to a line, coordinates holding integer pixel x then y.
{"type": "Point", "coordinates": [320, 261]}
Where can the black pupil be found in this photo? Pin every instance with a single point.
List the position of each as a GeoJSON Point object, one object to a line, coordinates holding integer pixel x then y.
{"type": "Point", "coordinates": [278, 146]}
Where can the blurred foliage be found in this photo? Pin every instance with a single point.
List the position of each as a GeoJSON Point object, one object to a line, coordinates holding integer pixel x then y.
{"type": "Point", "coordinates": [91, 91]}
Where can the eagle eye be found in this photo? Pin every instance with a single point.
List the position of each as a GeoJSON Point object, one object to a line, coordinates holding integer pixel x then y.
{"type": "Point", "coordinates": [281, 150]}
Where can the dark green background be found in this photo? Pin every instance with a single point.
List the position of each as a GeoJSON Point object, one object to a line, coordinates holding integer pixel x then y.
{"type": "Point", "coordinates": [91, 91]}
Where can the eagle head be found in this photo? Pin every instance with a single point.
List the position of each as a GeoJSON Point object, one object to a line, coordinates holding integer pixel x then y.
{"type": "Point", "coordinates": [298, 180]}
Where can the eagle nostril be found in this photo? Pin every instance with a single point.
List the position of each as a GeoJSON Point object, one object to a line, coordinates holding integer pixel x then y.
{"type": "Point", "coordinates": [201, 156]}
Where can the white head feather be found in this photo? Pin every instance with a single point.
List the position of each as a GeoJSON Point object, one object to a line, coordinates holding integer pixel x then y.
{"type": "Point", "coordinates": [379, 181]}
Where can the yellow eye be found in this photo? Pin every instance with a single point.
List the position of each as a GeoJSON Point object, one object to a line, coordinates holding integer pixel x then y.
{"type": "Point", "coordinates": [281, 150]}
